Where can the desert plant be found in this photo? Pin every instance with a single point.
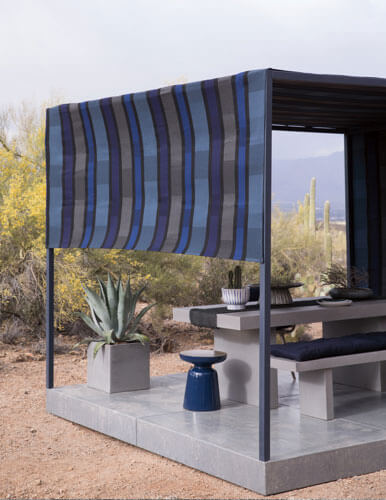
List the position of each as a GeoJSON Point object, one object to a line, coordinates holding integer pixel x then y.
{"type": "Point", "coordinates": [335, 275]}
{"type": "Point", "coordinates": [113, 315]}
{"type": "Point", "coordinates": [312, 216]}
{"type": "Point", "coordinates": [234, 278]}
{"type": "Point", "coordinates": [306, 211]}
{"type": "Point", "coordinates": [281, 274]}
{"type": "Point", "coordinates": [327, 234]}
{"type": "Point", "coordinates": [340, 277]}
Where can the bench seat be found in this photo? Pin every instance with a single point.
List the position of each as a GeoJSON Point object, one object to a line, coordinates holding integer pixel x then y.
{"type": "Point", "coordinates": [330, 362]}
{"type": "Point", "coordinates": [338, 346]}
{"type": "Point", "coordinates": [316, 374]}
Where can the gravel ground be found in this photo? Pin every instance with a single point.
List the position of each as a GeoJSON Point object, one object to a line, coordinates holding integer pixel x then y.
{"type": "Point", "coordinates": [42, 456]}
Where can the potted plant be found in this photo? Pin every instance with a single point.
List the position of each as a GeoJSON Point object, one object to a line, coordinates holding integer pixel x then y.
{"type": "Point", "coordinates": [346, 283]}
{"type": "Point", "coordinates": [282, 280]}
{"type": "Point", "coordinates": [235, 296]}
{"type": "Point", "coordinates": [118, 359]}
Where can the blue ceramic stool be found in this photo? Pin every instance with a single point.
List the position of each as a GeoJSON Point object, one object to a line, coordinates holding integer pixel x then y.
{"type": "Point", "coordinates": [201, 392]}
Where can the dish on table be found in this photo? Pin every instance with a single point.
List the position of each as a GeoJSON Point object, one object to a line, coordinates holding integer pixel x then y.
{"type": "Point", "coordinates": [334, 302]}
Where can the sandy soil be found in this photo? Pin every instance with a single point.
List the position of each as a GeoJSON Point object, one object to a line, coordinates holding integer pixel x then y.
{"type": "Point", "coordinates": [42, 456]}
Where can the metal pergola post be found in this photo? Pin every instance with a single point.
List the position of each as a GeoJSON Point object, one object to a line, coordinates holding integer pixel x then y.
{"type": "Point", "coordinates": [265, 289]}
{"type": "Point", "coordinates": [50, 319]}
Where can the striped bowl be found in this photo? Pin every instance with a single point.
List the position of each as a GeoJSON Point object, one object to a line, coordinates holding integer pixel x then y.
{"type": "Point", "coordinates": [235, 298]}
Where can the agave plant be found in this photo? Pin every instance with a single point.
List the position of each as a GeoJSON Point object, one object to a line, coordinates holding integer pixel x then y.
{"type": "Point", "coordinates": [112, 314]}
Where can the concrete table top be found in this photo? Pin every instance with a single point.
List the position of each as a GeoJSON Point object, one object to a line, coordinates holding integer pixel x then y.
{"type": "Point", "coordinates": [249, 320]}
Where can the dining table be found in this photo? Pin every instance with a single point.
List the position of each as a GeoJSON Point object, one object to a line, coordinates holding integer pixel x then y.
{"type": "Point", "coordinates": [237, 334]}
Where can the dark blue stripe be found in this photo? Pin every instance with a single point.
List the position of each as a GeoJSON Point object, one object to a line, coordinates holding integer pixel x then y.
{"type": "Point", "coordinates": [90, 209]}
{"type": "Point", "coordinates": [215, 128]}
{"type": "Point", "coordinates": [241, 167]}
{"type": "Point", "coordinates": [68, 176]}
{"type": "Point", "coordinates": [163, 158]}
{"type": "Point", "coordinates": [138, 175]}
{"type": "Point", "coordinates": [373, 214]}
{"type": "Point", "coordinates": [188, 205]}
{"type": "Point", "coordinates": [115, 177]}
{"type": "Point", "coordinates": [359, 215]}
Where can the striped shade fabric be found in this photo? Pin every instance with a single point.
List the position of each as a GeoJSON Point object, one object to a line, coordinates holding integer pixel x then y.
{"type": "Point", "coordinates": [179, 169]}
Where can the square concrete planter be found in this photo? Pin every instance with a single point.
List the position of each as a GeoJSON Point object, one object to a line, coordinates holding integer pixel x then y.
{"type": "Point", "coordinates": [119, 367]}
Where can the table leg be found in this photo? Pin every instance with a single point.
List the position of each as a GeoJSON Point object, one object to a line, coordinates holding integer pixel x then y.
{"type": "Point", "coordinates": [370, 376]}
{"type": "Point", "coordinates": [238, 375]}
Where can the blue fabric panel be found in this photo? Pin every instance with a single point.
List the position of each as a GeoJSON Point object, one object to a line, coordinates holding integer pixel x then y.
{"type": "Point", "coordinates": [178, 169]}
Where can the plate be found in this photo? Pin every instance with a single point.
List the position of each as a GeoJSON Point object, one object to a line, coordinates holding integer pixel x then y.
{"type": "Point", "coordinates": [334, 303]}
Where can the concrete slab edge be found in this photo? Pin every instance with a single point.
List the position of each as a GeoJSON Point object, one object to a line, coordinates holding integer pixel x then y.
{"type": "Point", "coordinates": [326, 466]}
{"type": "Point", "coordinates": [206, 457]}
{"type": "Point", "coordinates": [92, 416]}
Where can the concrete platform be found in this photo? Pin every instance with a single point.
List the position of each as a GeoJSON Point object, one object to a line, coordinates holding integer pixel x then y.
{"type": "Point", "coordinates": [304, 450]}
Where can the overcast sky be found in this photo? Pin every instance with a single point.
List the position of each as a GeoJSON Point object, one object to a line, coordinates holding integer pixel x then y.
{"type": "Point", "coordinates": [86, 49]}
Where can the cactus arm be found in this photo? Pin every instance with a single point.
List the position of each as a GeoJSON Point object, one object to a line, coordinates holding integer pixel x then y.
{"type": "Point", "coordinates": [237, 277]}
{"type": "Point", "coordinates": [312, 220]}
{"type": "Point", "coordinates": [230, 279]}
{"type": "Point", "coordinates": [306, 211]}
{"type": "Point", "coordinates": [327, 235]}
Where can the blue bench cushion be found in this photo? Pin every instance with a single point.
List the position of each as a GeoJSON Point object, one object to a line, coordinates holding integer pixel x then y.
{"type": "Point", "coordinates": [325, 348]}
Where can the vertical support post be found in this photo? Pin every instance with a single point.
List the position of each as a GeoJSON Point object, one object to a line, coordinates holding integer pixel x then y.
{"type": "Point", "coordinates": [50, 319]}
{"type": "Point", "coordinates": [265, 288]}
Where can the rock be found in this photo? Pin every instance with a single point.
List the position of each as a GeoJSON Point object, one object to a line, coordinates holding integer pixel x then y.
{"type": "Point", "coordinates": [28, 356]}
{"type": "Point", "coordinates": [33, 431]}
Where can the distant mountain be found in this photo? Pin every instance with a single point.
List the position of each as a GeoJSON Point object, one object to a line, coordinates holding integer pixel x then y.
{"type": "Point", "coordinates": [291, 181]}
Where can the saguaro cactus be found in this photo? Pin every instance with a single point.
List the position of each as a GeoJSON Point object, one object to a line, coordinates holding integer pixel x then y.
{"type": "Point", "coordinates": [328, 249]}
{"type": "Point", "coordinates": [326, 220]}
{"type": "Point", "coordinates": [327, 234]}
{"type": "Point", "coordinates": [306, 212]}
{"type": "Point", "coordinates": [312, 220]}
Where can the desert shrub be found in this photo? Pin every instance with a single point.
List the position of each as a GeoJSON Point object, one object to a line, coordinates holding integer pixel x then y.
{"type": "Point", "coordinates": [76, 267]}
{"type": "Point", "coordinates": [172, 278]}
{"type": "Point", "coordinates": [14, 331]}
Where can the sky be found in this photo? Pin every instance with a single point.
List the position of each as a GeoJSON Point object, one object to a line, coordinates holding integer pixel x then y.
{"type": "Point", "coordinates": [78, 50]}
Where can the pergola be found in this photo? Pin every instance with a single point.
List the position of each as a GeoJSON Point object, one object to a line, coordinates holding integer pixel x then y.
{"type": "Point", "coordinates": [187, 169]}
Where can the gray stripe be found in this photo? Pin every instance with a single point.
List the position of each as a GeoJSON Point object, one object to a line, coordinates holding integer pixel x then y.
{"type": "Point", "coordinates": [126, 171]}
{"type": "Point", "coordinates": [176, 169]}
{"type": "Point", "coordinates": [79, 176]}
{"type": "Point", "coordinates": [228, 112]}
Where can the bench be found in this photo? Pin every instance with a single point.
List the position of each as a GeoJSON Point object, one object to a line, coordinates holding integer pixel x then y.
{"type": "Point", "coordinates": [316, 374]}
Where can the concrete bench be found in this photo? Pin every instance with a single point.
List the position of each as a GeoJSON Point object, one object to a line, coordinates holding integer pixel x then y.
{"type": "Point", "coordinates": [316, 379]}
